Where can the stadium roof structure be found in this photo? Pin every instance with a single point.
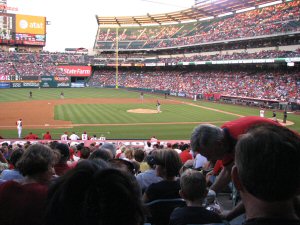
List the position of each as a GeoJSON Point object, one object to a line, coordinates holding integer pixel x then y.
{"type": "Point", "coordinates": [201, 10]}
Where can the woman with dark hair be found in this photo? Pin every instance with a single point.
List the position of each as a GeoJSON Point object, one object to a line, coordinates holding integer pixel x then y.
{"type": "Point", "coordinates": [92, 194]}
{"type": "Point", "coordinates": [23, 201]}
{"type": "Point", "coordinates": [167, 165]}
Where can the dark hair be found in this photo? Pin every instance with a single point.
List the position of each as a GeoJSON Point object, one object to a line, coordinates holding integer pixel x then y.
{"type": "Point", "coordinates": [267, 160]}
{"type": "Point", "coordinates": [36, 159]}
{"type": "Point", "coordinates": [185, 147]}
{"type": "Point", "coordinates": [89, 195]}
{"type": "Point", "coordinates": [139, 155]}
{"type": "Point", "coordinates": [104, 154]}
{"type": "Point", "coordinates": [15, 156]}
{"type": "Point", "coordinates": [170, 160]}
{"type": "Point", "coordinates": [64, 151]}
{"type": "Point", "coordinates": [85, 152]}
{"type": "Point", "coordinates": [193, 185]}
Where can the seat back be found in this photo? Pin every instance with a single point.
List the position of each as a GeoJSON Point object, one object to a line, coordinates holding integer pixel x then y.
{"type": "Point", "coordinates": [159, 211]}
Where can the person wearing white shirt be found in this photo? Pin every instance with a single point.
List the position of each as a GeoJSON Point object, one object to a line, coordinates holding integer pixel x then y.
{"type": "Point", "coordinates": [74, 137]}
{"type": "Point", "coordinates": [19, 124]}
{"type": "Point", "coordinates": [262, 113]}
{"type": "Point", "coordinates": [84, 136]}
{"type": "Point", "coordinates": [64, 137]}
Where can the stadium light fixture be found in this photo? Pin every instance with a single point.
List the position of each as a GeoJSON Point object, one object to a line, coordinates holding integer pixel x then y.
{"type": "Point", "coordinates": [269, 4]}
{"type": "Point", "coordinates": [225, 14]}
{"type": "Point", "coordinates": [245, 10]}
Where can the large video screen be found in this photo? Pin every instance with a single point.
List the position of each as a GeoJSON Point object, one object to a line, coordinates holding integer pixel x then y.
{"type": "Point", "coordinates": [22, 29]}
{"type": "Point", "coordinates": [7, 26]}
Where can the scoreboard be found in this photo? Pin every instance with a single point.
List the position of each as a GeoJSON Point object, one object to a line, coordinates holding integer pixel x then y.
{"type": "Point", "coordinates": [17, 29]}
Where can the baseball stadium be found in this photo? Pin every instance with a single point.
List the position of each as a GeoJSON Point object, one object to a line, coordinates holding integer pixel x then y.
{"type": "Point", "coordinates": [177, 57]}
{"type": "Point", "coordinates": [151, 77]}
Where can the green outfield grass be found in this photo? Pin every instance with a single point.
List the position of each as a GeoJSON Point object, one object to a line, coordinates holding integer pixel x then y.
{"type": "Point", "coordinates": [123, 123]}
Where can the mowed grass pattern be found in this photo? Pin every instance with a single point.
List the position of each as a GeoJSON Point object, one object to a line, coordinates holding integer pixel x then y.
{"type": "Point", "coordinates": [22, 94]}
{"type": "Point", "coordinates": [117, 114]}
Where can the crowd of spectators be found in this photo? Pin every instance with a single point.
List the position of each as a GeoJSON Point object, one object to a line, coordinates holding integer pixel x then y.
{"type": "Point", "coordinates": [45, 64]}
{"type": "Point", "coordinates": [270, 20]}
{"type": "Point", "coordinates": [127, 58]}
{"type": "Point", "coordinates": [273, 85]}
{"type": "Point", "coordinates": [75, 183]}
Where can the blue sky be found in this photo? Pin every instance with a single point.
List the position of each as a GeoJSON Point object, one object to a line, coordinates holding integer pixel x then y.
{"type": "Point", "coordinates": [73, 22]}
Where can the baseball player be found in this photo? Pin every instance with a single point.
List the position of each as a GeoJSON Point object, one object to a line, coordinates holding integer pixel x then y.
{"type": "Point", "coordinates": [142, 96]}
{"type": "Point", "coordinates": [84, 136]}
{"type": "Point", "coordinates": [158, 106]}
{"type": "Point", "coordinates": [19, 124]}
{"type": "Point", "coordinates": [262, 112]}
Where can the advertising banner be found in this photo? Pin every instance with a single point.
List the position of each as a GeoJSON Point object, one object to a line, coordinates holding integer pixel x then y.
{"type": "Point", "coordinates": [16, 85]}
{"type": "Point", "coordinates": [31, 84]}
{"type": "Point", "coordinates": [26, 24]}
{"type": "Point", "coordinates": [53, 82]}
{"type": "Point", "coordinates": [77, 71]}
{"type": "Point", "coordinates": [25, 84]}
{"type": "Point", "coordinates": [4, 85]}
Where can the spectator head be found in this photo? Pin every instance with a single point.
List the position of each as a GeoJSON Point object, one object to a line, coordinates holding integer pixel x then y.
{"type": "Point", "coordinates": [150, 161]}
{"type": "Point", "coordinates": [103, 154]}
{"type": "Point", "coordinates": [139, 155]}
{"type": "Point", "coordinates": [185, 147]}
{"type": "Point", "coordinates": [267, 163]}
{"type": "Point", "coordinates": [15, 156]}
{"type": "Point", "coordinates": [110, 147]}
{"type": "Point", "coordinates": [103, 191]}
{"type": "Point", "coordinates": [37, 162]}
{"type": "Point", "coordinates": [53, 144]}
{"type": "Point", "coordinates": [167, 163]}
{"type": "Point", "coordinates": [64, 151]}
{"type": "Point", "coordinates": [85, 153]}
{"type": "Point", "coordinates": [129, 153]}
{"type": "Point", "coordinates": [190, 181]}
{"type": "Point", "coordinates": [124, 165]}
{"type": "Point", "coordinates": [208, 140]}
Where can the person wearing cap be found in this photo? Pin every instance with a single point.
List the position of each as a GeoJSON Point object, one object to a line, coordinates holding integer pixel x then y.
{"type": "Point", "coordinates": [216, 143]}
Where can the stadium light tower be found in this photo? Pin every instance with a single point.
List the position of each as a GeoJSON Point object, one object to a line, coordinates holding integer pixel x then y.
{"type": "Point", "coordinates": [117, 58]}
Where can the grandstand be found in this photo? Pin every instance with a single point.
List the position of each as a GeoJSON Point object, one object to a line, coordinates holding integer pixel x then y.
{"type": "Point", "coordinates": [240, 52]}
{"type": "Point", "coordinates": [151, 80]}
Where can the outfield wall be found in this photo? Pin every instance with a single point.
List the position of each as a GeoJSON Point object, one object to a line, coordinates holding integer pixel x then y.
{"type": "Point", "coordinates": [118, 143]}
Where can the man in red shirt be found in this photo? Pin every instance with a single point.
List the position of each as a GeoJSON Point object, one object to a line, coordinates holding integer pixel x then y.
{"type": "Point", "coordinates": [185, 155]}
{"type": "Point", "coordinates": [218, 143]}
{"type": "Point", "coordinates": [31, 136]}
{"type": "Point", "coordinates": [47, 136]}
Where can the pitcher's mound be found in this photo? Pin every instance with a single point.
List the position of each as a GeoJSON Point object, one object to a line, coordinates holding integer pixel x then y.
{"type": "Point", "coordinates": [147, 111]}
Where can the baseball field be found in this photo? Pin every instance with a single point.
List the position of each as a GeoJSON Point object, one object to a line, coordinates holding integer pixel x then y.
{"type": "Point", "coordinates": [114, 113]}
